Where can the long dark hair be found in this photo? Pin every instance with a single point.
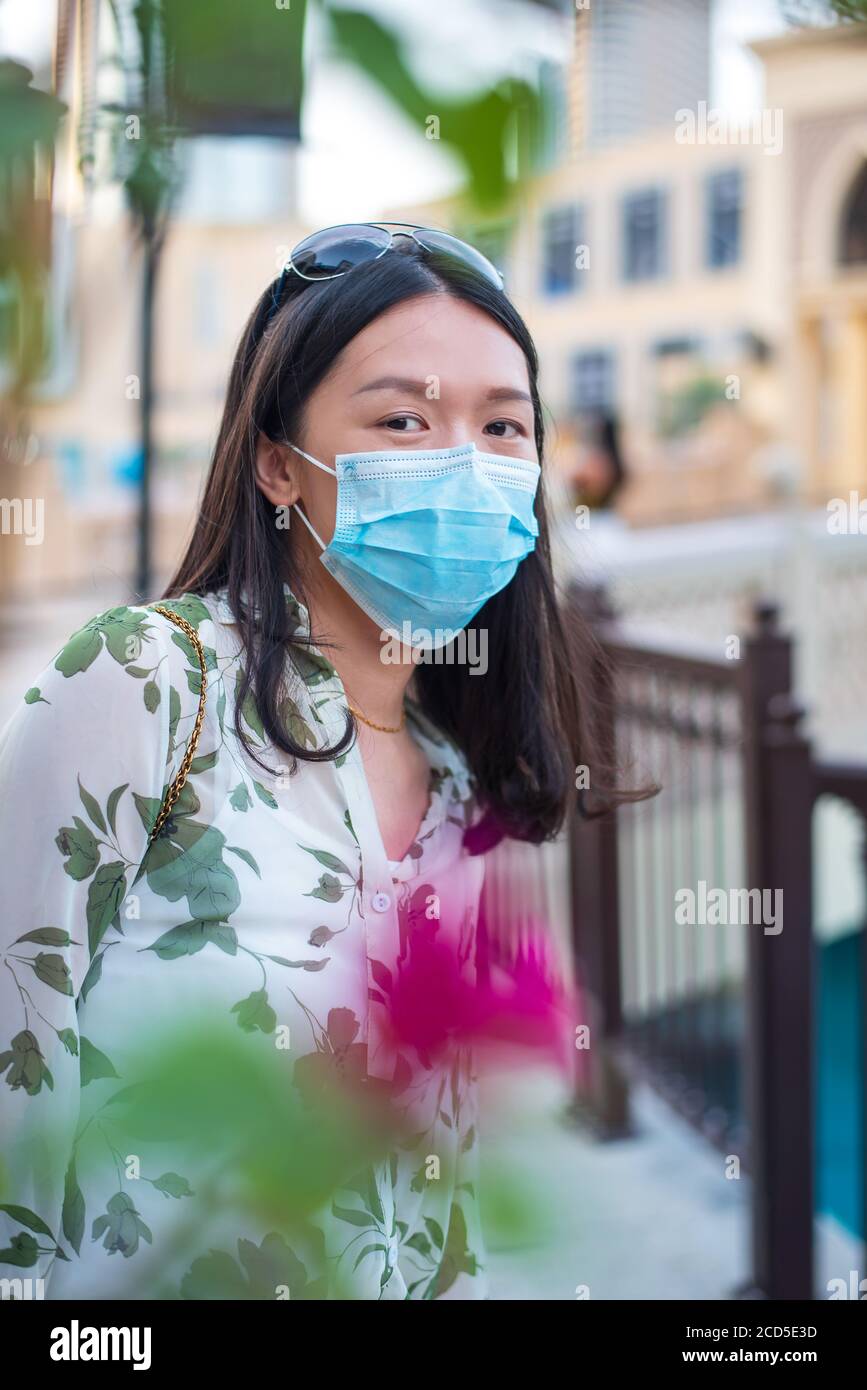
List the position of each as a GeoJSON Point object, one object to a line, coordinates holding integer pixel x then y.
{"type": "Point", "coordinates": [525, 728]}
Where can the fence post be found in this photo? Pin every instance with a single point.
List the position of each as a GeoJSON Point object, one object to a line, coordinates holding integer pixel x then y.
{"type": "Point", "coordinates": [862, 1013]}
{"type": "Point", "coordinates": [780, 1033]}
{"type": "Point", "coordinates": [603, 1096]}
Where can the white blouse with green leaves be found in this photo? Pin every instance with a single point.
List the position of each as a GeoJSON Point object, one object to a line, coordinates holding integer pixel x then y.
{"type": "Point", "coordinates": [266, 901]}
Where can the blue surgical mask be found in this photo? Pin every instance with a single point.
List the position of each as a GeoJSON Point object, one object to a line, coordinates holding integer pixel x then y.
{"type": "Point", "coordinates": [422, 539]}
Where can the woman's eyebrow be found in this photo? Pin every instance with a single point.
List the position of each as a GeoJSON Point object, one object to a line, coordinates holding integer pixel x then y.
{"type": "Point", "coordinates": [508, 393]}
{"type": "Point", "coordinates": [395, 383]}
{"type": "Point", "coordinates": [421, 388]}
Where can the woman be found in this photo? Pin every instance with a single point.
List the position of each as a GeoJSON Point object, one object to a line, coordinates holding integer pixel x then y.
{"type": "Point", "coordinates": [334, 810]}
{"type": "Point", "coordinates": [600, 475]}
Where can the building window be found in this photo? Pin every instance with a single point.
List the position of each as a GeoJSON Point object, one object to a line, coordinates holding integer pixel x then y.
{"type": "Point", "coordinates": [592, 383]}
{"type": "Point", "coordinates": [853, 241]}
{"type": "Point", "coordinates": [686, 384]}
{"type": "Point", "coordinates": [562, 238]}
{"type": "Point", "coordinates": [554, 134]}
{"type": "Point", "coordinates": [724, 212]}
{"type": "Point", "coordinates": [644, 251]}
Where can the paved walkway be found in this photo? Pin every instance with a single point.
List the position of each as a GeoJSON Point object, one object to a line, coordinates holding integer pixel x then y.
{"type": "Point", "coordinates": [650, 1217]}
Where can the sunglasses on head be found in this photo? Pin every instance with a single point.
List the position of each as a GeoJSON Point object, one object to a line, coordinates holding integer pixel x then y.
{"type": "Point", "coordinates": [336, 250]}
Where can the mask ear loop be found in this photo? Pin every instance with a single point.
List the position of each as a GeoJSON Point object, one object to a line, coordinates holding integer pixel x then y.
{"type": "Point", "coordinates": [295, 507]}
{"type": "Point", "coordinates": [309, 526]}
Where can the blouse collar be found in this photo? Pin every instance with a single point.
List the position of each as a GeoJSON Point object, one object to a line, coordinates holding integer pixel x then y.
{"type": "Point", "coordinates": [222, 610]}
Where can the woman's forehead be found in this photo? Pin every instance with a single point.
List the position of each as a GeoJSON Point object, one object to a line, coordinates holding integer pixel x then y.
{"type": "Point", "coordinates": [436, 335]}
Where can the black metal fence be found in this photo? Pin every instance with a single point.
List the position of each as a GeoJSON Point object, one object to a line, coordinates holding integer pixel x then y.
{"type": "Point", "coordinates": [692, 914]}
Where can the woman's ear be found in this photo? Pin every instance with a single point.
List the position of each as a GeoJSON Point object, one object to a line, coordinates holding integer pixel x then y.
{"type": "Point", "coordinates": [276, 472]}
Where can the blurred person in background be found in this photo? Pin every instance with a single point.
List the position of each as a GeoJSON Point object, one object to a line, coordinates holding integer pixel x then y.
{"type": "Point", "coordinates": [598, 474]}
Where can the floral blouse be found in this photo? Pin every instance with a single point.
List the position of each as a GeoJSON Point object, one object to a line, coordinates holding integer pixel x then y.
{"type": "Point", "coordinates": [267, 899]}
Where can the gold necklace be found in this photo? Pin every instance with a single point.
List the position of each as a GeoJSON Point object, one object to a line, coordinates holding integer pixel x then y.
{"type": "Point", "coordinates": [383, 728]}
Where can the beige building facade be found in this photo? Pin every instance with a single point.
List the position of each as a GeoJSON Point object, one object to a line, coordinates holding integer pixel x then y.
{"type": "Point", "coordinates": [704, 284]}
{"type": "Point", "coordinates": [716, 301]}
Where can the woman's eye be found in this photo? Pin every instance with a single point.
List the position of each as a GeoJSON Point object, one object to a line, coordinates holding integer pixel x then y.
{"type": "Point", "coordinates": [500, 429]}
{"type": "Point", "coordinates": [403, 424]}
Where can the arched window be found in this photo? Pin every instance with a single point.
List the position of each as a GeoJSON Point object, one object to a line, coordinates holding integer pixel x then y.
{"type": "Point", "coordinates": [853, 227]}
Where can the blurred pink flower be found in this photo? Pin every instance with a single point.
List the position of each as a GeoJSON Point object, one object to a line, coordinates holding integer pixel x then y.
{"type": "Point", "coordinates": [435, 1003]}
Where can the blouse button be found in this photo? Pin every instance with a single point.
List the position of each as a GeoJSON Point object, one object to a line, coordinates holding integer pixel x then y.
{"type": "Point", "coordinates": [380, 902]}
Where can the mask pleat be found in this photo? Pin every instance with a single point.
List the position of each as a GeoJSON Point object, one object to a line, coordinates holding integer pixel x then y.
{"type": "Point", "coordinates": [426, 540]}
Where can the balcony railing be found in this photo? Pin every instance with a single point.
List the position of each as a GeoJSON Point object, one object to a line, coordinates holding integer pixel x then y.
{"type": "Point", "coordinates": [692, 915]}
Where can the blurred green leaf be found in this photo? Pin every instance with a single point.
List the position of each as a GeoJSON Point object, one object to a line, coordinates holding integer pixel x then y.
{"type": "Point", "coordinates": [479, 130]}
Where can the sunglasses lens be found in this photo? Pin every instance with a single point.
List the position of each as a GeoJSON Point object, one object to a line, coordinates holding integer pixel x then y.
{"type": "Point", "coordinates": [337, 250]}
{"type": "Point", "coordinates": [442, 243]}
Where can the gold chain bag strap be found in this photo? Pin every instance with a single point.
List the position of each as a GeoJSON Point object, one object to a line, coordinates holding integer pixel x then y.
{"type": "Point", "coordinates": [176, 787]}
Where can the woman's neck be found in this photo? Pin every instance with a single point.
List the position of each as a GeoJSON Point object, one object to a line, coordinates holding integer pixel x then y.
{"type": "Point", "coordinates": [374, 673]}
